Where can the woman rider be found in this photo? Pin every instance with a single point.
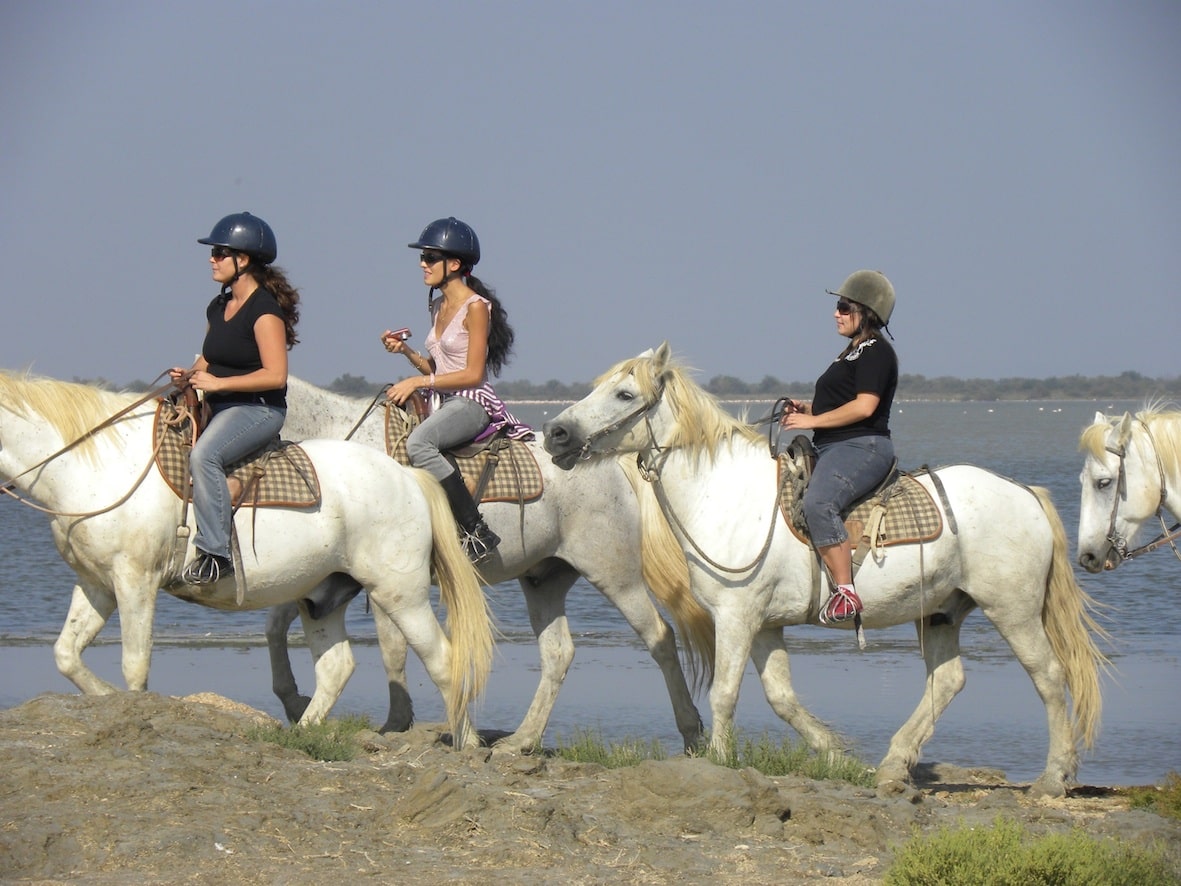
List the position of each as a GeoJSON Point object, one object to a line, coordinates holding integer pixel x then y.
{"type": "Point", "coordinates": [242, 371]}
{"type": "Point", "coordinates": [470, 339]}
{"type": "Point", "coordinates": [850, 419]}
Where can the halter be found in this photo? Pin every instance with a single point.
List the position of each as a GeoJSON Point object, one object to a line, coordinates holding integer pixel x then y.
{"type": "Point", "coordinates": [643, 409]}
{"type": "Point", "coordinates": [1119, 543]}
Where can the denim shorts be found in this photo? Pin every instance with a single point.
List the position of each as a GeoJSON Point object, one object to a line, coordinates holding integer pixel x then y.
{"type": "Point", "coordinates": [845, 471]}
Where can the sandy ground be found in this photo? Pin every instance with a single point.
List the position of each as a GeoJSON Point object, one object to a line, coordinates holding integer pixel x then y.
{"type": "Point", "coordinates": [140, 787]}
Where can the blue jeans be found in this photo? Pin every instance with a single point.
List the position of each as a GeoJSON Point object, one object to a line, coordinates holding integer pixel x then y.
{"type": "Point", "coordinates": [457, 421]}
{"type": "Point", "coordinates": [845, 471]}
{"type": "Point", "coordinates": [235, 431]}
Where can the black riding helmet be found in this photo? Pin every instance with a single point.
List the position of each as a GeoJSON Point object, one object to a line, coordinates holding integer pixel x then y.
{"type": "Point", "coordinates": [452, 237]}
{"type": "Point", "coordinates": [243, 232]}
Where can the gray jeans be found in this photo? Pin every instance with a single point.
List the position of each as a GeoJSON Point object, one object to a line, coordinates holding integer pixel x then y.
{"type": "Point", "coordinates": [457, 421]}
{"type": "Point", "coordinates": [845, 471]}
{"type": "Point", "coordinates": [234, 432]}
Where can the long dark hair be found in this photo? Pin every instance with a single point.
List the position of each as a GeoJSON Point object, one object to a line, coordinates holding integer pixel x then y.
{"type": "Point", "coordinates": [500, 333]}
{"type": "Point", "coordinates": [274, 280]}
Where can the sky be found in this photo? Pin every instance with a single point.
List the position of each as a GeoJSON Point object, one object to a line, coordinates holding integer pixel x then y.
{"type": "Point", "coordinates": [637, 172]}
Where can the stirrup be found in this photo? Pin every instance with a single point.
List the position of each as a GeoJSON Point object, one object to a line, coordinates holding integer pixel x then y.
{"type": "Point", "coordinates": [842, 605]}
{"type": "Point", "coordinates": [207, 569]}
{"type": "Point", "coordinates": [479, 542]}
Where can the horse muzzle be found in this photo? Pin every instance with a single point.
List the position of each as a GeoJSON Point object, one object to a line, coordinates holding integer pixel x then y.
{"type": "Point", "coordinates": [1096, 564]}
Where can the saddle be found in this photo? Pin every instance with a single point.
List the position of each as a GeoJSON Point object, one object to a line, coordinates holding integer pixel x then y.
{"type": "Point", "coordinates": [496, 469]}
{"type": "Point", "coordinates": [279, 476]}
{"type": "Point", "coordinates": [899, 512]}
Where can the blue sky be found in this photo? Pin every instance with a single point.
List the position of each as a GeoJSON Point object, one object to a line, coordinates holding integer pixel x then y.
{"type": "Point", "coordinates": [636, 171]}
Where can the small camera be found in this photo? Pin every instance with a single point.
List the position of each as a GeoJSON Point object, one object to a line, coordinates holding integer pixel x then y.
{"type": "Point", "coordinates": [401, 334]}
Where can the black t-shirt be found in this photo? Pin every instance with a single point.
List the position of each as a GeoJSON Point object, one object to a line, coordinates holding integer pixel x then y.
{"type": "Point", "coordinates": [231, 349]}
{"type": "Point", "coordinates": [871, 368]}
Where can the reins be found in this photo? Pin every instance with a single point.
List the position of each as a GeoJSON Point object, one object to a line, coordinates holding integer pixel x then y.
{"type": "Point", "coordinates": [1168, 535]}
{"type": "Point", "coordinates": [368, 411]}
{"type": "Point", "coordinates": [8, 489]}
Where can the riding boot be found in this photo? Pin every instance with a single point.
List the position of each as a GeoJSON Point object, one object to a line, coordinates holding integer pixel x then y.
{"type": "Point", "coordinates": [478, 540]}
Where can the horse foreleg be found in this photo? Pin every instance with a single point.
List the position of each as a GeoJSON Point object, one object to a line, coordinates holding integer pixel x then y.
{"type": "Point", "coordinates": [546, 602]}
{"type": "Point", "coordinates": [279, 620]}
{"type": "Point", "coordinates": [735, 637]}
{"type": "Point", "coordinates": [635, 604]}
{"type": "Point", "coordinates": [333, 657]}
{"type": "Point", "coordinates": [89, 611]}
{"type": "Point", "coordinates": [945, 678]}
{"type": "Point", "coordinates": [771, 661]}
{"type": "Point", "coordinates": [393, 655]}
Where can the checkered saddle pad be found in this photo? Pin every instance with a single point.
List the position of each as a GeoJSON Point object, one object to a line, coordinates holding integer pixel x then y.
{"type": "Point", "coordinates": [516, 476]}
{"type": "Point", "coordinates": [903, 512]}
{"type": "Point", "coordinates": [280, 476]}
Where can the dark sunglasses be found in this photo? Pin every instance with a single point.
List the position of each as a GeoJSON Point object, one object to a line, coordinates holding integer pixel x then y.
{"type": "Point", "coordinates": [844, 306]}
{"type": "Point", "coordinates": [220, 252]}
{"type": "Point", "coordinates": [431, 258]}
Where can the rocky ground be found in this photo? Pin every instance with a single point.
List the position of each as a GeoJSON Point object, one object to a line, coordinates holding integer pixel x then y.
{"type": "Point", "coordinates": [138, 787]}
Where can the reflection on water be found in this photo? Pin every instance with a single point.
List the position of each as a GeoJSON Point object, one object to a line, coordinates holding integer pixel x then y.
{"type": "Point", "coordinates": [615, 688]}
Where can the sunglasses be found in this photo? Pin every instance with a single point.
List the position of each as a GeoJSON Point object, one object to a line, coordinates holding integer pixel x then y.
{"type": "Point", "coordinates": [845, 307]}
{"type": "Point", "coordinates": [431, 258]}
{"type": "Point", "coordinates": [220, 252]}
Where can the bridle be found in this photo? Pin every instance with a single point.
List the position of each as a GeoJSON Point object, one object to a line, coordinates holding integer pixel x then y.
{"type": "Point", "coordinates": [649, 461]}
{"type": "Point", "coordinates": [1118, 542]}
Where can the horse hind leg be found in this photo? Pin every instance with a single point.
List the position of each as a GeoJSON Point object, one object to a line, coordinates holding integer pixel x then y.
{"type": "Point", "coordinates": [545, 599]}
{"type": "Point", "coordinates": [283, 683]}
{"type": "Point", "coordinates": [393, 656]}
{"type": "Point", "coordinates": [945, 678]}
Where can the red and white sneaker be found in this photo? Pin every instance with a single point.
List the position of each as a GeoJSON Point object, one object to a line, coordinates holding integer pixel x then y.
{"type": "Point", "coordinates": [842, 605]}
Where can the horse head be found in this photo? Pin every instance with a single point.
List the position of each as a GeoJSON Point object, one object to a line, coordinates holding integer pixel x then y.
{"type": "Point", "coordinates": [1123, 486]}
{"type": "Point", "coordinates": [608, 418]}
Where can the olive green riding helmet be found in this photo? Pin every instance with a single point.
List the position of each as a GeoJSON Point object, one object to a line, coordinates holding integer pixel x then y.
{"type": "Point", "coordinates": [869, 288]}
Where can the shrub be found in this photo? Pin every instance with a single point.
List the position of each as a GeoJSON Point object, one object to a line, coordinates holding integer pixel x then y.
{"type": "Point", "coordinates": [1006, 855]}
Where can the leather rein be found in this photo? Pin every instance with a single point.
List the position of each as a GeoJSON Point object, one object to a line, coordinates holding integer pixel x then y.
{"type": "Point", "coordinates": [1168, 535]}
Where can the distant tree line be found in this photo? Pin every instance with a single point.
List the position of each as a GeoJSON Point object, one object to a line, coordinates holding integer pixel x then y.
{"type": "Point", "coordinates": [1125, 386]}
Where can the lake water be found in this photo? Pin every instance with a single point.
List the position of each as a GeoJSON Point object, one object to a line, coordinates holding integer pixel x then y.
{"type": "Point", "coordinates": [616, 690]}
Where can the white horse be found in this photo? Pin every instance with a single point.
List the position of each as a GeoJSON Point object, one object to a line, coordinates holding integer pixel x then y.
{"type": "Point", "coordinates": [115, 522]}
{"type": "Point", "coordinates": [1131, 475]}
{"type": "Point", "coordinates": [716, 482]}
{"type": "Point", "coordinates": [587, 523]}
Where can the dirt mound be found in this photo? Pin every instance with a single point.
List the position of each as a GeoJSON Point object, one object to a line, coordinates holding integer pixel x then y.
{"type": "Point", "coordinates": [98, 790]}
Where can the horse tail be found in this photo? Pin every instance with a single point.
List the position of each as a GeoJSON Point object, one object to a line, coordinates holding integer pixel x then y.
{"type": "Point", "coordinates": [469, 621]}
{"type": "Point", "coordinates": [1067, 619]}
{"type": "Point", "coordinates": [666, 572]}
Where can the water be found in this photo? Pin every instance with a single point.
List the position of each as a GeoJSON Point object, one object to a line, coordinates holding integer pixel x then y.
{"type": "Point", "coordinates": [614, 687]}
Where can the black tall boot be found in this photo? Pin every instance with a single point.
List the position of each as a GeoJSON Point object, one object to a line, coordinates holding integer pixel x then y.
{"type": "Point", "coordinates": [477, 539]}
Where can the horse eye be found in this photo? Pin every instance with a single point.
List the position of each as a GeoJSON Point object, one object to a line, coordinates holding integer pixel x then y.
{"type": "Point", "coordinates": [1103, 484]}
{"type": "Point", "coordinates": [627, 396]}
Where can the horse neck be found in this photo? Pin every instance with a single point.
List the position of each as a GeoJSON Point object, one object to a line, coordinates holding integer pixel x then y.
{"type": "Point", "coordinates": [73, 479]}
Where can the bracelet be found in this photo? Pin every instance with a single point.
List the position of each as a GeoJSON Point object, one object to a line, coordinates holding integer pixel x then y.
{"type": "Point", "coordinates": [431, 381]}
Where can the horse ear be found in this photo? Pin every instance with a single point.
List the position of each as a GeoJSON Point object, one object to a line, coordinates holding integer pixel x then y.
{"type": "Point", "coordinates": [1125, 428]}
{"type": "Point", "coordinates": [1100, 419]}
{"type": "Point", "coordinates": [662, 354]}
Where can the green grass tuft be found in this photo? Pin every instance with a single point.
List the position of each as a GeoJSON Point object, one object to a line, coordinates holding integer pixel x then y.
{"type": "Point", "coordinates": [588, 746]}
{"type": "Point", "coordinates": [1164, 800]}
{"type": "Point", "coordinates": [1005, 854]}
{"type": "Point", "coordinates": [330, 740]}
{"type": "Point", "coordinates": [763, 754]}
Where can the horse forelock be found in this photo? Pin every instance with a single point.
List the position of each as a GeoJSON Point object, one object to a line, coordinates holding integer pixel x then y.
{"type": "Point", "coordinates": [1093, 439]}
{"type": "Point", "coordinates": [69, 408]}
